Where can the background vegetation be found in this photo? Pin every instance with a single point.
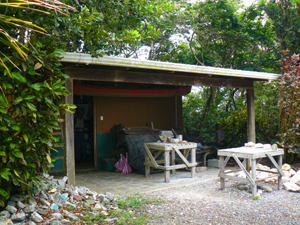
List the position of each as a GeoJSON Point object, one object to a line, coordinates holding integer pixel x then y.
{"type": "Point", "coordinates": [220, 33]}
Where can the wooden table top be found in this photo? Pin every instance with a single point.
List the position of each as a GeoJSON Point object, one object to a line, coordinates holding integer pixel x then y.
{"type": "Point", "coordinates": [166, 146]}
{"type": "Point", "coordinates": [250, 152]}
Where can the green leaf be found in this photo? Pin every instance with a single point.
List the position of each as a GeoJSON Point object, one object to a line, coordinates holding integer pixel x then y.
{"type": "Point", "coordinates": [25, 138]}
{"type": "Point", "coordinates": [48, 157]}
{"type": "Point", "coordinates": [2, 153]}
{"type": "Point", "coordinates": [7, 85]}
{"type": "Point", "coordinates": [19, 77]}
{"type": "Point", "coordinates": [29, 97]}
{"type": "Point", "coordinates": [4, 194]}
{"type": "Point", "coordinates": [38, 66]}
{"type": "Point", "coordinates": [17, 128]}
{"type": "Point", "coordinates": [18, 154]}
{"type": "Point", "coordinates": [5, 173]}
{"type": "Point", "coordinates": [31, 106]}
{"type": "Point", "coordinates": [37, 86]}
{"type": "Point", "coordinates": [4, 128]}
{"type": "Point", "coordinates": [3, 99]}
{"type": "Point", "coordinates": [4, 111]}
{"type": "Point", "coordinates": [18, 100]}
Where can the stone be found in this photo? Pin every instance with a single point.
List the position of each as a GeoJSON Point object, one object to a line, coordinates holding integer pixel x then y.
{"type": "Point", "coordinates": [58, 199]}
{"type": "Point", "coordinates": [15, 199]}
{"type": "Point", "coordinates": [291, 186]}
{"type": "Point", "coordinates": [265, 168]}
{"type": "Point", "coordinates": [264, 187]}
{"type": "Point", "coordinates": [100, 197]}
{"type": "Point", "coordinates": [57, 216]}
{"type": "Point", "coordinates": [62, 182]}
{"type": "Point", "coordinates": [286, 173]}
{"type": "Point", "coordinates": [285, 179]}
{"type": "Point", "coordinates": [30, 208]}
{"type": "Point", "coordinates": [66, 195]}
{"type": "Point", "coordinates": [65, 221]}
{"type": "Point", "coordinates": [46, 175]}
{"type": "Point", "coordinates": [50, 177]}
{"type": "Point", "coordinates": [43, 210]}
{"type": "Point", "coordinates": [43, 195]}
{"type": "Point", "coordinates": [99, 206]}
{"type": "Point", "coordinates": [56, 222]}
{"type": "Point", "coordinates": [6, 221]}
{"type": "Point", "coordinates": [36, 217]}
{"type": "Point", "coordinates": [286, 167]}
{"type": "Point", "coordinates": [259, 166]}
{"type": "Point", "coordinates": [111, 220]}
{"type": "Point", "coordinates": [18, 216]}
{"type": "Point", "coordinates": [31, 222]}
{"type": "Point", "coordinates": [298, 183]}
{"type": "Point", "coordinates": [201, 169]}
{"type": "Point", "coordinates": [296, 177]}
{"type": "Point", "coordinates": [71, 215]}
{"type": "Point", "coordinates": [11, 209]}
{"type": "Point", "coordinates": [32, 201]}
{"type": "Point", "coordinates": [54, 206]}
{"type": "Point", "coordinates": [45, 202]}
{"type": "Point", "coordinates": [292, 172]}
{"type": "Point", "coordinates": [21, 205]}
{"type": "Point", "coordinates": [4, 214]}
{"type": "Point", "coordinates": [243, 187]}
{"type": "Point", "coordinates": [69, 204]}
{"type": "Point", "coordinates": [77, 197]}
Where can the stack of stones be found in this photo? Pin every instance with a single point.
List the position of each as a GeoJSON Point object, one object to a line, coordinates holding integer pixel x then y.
{"type": "Point", "coordinates": [54, 204]}
{"type": "Point", "coordinates": [290, 178]}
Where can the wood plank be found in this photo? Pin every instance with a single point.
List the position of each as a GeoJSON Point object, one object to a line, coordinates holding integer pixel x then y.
{"type": "Point", "coordinates": [243, 168]}
{"type": "Point", "coordinates": [157, 154]}
{"type": "Point", "coordinates": [233, 171]}
{"type": "Point", "coordinates": [147, 151]}
{"type": "Point", "coordinates": [167, 164]}
{"type": "Point", "coordinates": [193, 160]}
{"type": "Point", "coordinates": [182, 157]}
{"type": "Point", "coordinates": [275, 163]}
{"type": "Point", "coordinates": [69, 129]}
{"type": "Point", "coordinates": [250, 115]}
{"type": "Point", "coordinates": [267, 171]}
{"type": "Point", "coordinates": [56, 170]}
{"type": "Point", "coordinates": [57, 133]}
{"type": "Point", "coordinates": [154, 78]}
{"type": "Point", "coordinates": [254, 185]}
{"type": "Point", "coordinates": [59, 158]}
{"type": "Point", "coordinates": [173, 161]}
{"type": "Point", "coordinates": [280, 177]}
{"type": "Point", "coordinates": [226, 160]}
{"type": "Point", "coordinates": [222, 167]}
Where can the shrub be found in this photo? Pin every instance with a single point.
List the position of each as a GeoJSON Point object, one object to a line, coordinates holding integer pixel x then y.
{"type": "Point", "coordinates": [31, 103]}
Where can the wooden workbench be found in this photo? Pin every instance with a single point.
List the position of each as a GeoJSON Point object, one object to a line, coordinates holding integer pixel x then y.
{"type": "Point", "coordinates": [252, 154]}
{"type": "Point", "coordinates": [170, 164]}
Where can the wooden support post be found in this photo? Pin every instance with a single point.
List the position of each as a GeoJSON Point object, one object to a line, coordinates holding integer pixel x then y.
{"type": "Point", "coordinates": [69, 129]}
{"type": "Point", "coordinates": [147, 167]}
{"type": "Point", "coordinates": [222, 168]}
{"type": "Point", "coordinates": [95, 132]}
{"type": "Point", "coordinates": [279, 162]}
{"type": "Point", "coordinates": [254, 186]}
{"type": "Point", "coordinates": [173, 160]}
{"type": "Point", "coordinates": [167, 164]}
{"type": "Point", "coordinates": [193, 160]}
{"type": "Point", "coordinates": [250, 120]}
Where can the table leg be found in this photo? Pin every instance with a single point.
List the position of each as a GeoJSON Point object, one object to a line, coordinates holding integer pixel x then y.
{"type": "Point", "coordinates": [173, 160]}
{"type": "Point", "coordinates": [167, 164]}
{"type": "Point", "coordinates": [222, 169]}
{"type": "Point", "coordinates": [193, 160]}
{"type": "Point", "coordinates": [147, 168]}
{"type": "Point", "coordinates": [279, 162]}
{"type": "Point", "coordinates": [254, 187]}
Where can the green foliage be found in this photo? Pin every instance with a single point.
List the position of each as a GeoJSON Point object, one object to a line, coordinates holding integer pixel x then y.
{"type": "Point", "coordinates": [30, 106]}
{"type": "Point", "coordinates": [289, 122]}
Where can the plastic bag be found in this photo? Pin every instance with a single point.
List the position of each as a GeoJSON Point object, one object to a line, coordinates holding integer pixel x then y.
{"type": "Point", "coordinates": [122, 165]}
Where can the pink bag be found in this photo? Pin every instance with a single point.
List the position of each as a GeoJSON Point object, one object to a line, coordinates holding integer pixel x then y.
{"type": "Point", "coordinates": [122, 165]}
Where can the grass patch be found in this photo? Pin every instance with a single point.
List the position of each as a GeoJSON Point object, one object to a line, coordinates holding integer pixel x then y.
{"type": "Point", "coordinates": [131, 210]}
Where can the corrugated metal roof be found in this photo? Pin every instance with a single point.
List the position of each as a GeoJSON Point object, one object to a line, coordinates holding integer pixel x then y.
{"type": "Point", "coordinates": [165, 66]}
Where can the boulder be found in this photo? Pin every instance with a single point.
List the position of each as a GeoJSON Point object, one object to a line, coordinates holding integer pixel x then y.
{"type": "Point", "coordinates": [5, 221]}
{"type": "Point", "coordinates": [291, 186]}
{"type": "Point", "coordinates": [286, 167]}
{"type": "Point", "coordinates": [243, 187]}
{"type": "Point", "coordinates": [11, 209]}
{"type": "Point", "coordinates": [296, 177]}
{"type": "Point", "coordinates": [292, 172]}
{"type": "Point", "coordinates": [264, 187]}
{"type": "Point", "coordinates": [286, 173]}
{"type": "Point", "coordinates": [4, 214]}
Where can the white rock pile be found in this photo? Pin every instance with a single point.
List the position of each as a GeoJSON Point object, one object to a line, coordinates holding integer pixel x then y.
{"type": "Point", "coordinates": [54, 204]}
{"type": "Point", "coordinates": [290, 179]}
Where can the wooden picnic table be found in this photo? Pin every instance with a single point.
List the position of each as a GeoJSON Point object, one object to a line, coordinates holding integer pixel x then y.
{"type": "Point", "coordinates": [170, 164]}
{"type": "Point", "coordinates": [252, 154]}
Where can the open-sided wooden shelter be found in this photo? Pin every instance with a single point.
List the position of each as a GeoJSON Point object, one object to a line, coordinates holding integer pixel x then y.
{"type": "Point", "coordinates": [140, 92]}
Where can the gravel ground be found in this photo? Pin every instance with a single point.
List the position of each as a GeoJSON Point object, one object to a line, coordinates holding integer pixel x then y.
{"type": "Point", "coordinates": [205, 204]}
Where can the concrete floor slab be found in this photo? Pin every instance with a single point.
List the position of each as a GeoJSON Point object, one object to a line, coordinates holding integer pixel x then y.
{"type": "Point", "coordinates": [133, 183]}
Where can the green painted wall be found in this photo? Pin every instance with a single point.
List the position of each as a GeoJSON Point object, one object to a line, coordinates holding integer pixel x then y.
{"type": "Point", "coordinates": [104, 143]}
{"type": "Point", "coordinates": [58, 164]}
